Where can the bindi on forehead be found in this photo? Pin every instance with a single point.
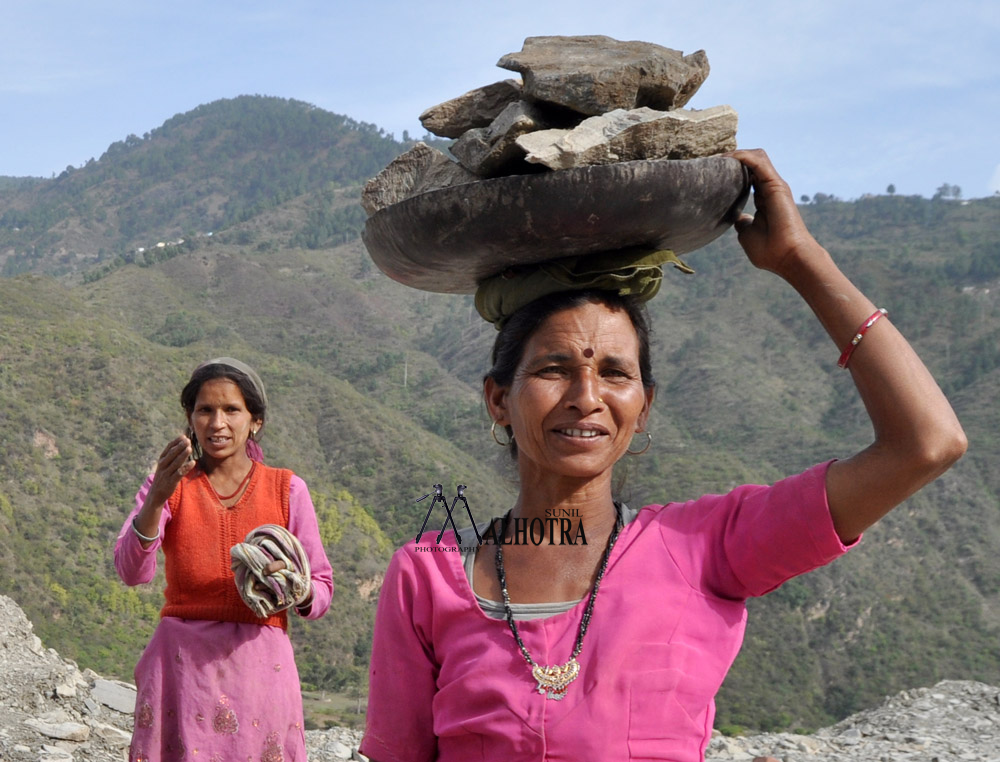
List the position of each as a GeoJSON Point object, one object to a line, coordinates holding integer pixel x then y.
{"type": "Point", "coordinates": [588, 352]}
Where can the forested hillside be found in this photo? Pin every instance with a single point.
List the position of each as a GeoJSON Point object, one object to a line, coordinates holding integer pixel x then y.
{"type": "Point", "coordinates": [208, 169]}
{"type": "Point", "coordinates": [375, 397]}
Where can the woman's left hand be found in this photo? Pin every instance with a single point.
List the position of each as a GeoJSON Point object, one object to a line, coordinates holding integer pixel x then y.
{"type": "Point", "coordinates": [776, 233]}
{"type": "Point", "coordinates": [274, 567]}
{"type": "Point", "coordinates": [917, 436]}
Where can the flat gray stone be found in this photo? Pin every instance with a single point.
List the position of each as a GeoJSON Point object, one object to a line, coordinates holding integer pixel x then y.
{"type": "Point", "coordinates": [418, 170]}
{"type": "Point", "coordinates": [340, 751]}
{"type": "Point", "coordinates": [63, 731]}
{"type": "Point", "coordinates": [596, 74]}
{"type": "Point", "coordinates": [114, 694]}
{"type": "Point", "coordinates": [488, 151]}
{"type": "Point", "coordinates": [476, 108]}
{"type": "Point", "coordinates": [54, 754]}
{"type": "Point", "coordinates": [112, 736]}
{"type": "Point", "coordinates": [641, 133]}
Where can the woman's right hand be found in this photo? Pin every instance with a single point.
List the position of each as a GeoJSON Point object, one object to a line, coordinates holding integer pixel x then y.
{"type": "Point", "coordinates": [174, 462]}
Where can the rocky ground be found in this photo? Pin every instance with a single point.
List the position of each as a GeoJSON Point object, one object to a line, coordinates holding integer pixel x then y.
{"type": "Point", "coordinates": [954, 721]}
{"type": "Point", "coordinates": [50, 711]}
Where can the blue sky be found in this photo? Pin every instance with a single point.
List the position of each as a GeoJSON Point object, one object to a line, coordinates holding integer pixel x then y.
{"type": "Point", "coordinates": [847, 97]}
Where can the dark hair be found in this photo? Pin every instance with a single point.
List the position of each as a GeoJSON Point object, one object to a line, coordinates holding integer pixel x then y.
{"type": "Point", "coordinates": [508, 349]}
{"type": "Point", "coordinates": [256, 405]}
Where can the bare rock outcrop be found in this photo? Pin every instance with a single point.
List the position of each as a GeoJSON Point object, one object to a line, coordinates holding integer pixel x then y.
{"type": "Point", "coordinates": [50, 711]}
{"type": "Point", "coordinates": [953, 721]}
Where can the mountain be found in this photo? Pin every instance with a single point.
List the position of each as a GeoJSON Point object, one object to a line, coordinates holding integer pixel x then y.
{"type": "Point", "coordinates": [217, 165]}
{"type": "Point", "coordinates": [375, 396]}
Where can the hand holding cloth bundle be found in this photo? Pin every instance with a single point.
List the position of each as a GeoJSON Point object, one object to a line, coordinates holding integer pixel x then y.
{"type": "Point", "coordinates": [266, 594]}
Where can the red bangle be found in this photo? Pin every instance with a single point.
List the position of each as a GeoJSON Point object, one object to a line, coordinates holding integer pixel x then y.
{"type": "Point", "coordinates": [845, 356]}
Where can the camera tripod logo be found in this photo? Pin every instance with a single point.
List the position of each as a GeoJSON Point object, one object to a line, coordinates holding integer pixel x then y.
{"type": "Point", "coordinates": [438, 497]}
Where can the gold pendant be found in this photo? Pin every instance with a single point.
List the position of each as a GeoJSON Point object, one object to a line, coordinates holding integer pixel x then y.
{"type": "Point", "coordinates": [553, 681]}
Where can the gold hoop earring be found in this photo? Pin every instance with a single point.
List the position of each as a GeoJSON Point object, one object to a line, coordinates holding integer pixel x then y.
{"type": "Point", "coordinates": [493, 431]}
{"type": "Point", "coordinates": [649, 441]}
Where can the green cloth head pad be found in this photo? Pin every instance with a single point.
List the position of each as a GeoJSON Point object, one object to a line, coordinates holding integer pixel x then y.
{"type": "Point", "coordinates": [635, 272]}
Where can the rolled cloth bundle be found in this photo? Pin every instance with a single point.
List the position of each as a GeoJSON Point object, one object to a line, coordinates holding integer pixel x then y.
{"type": "Point", "coordinates": [267, 594]}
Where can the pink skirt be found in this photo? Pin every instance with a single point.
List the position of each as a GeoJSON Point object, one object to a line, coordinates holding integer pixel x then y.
{"type": "Point", "coordinates": [219, 692]}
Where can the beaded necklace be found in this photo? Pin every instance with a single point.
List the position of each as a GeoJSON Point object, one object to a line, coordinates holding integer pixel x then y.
{"type": "Point", "coordinates": [553, 680]}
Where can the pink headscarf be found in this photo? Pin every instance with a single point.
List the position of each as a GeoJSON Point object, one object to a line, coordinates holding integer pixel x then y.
{"type": "Point", "coordinates": [253, 450]}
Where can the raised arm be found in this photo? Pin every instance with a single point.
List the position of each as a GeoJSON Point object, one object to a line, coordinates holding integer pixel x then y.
{"type": "Point", "coordinates": [171, 467]}
{"type": "Point", "coordinates": [135, 558]}
{"type": "Point", "coordinates": [917, 435]}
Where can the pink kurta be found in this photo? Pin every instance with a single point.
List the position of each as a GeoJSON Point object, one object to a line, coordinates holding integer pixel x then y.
{"type": "Point", "coordinates": [221, 691]}
{"type": "Point", "coordinates": [449, 683]}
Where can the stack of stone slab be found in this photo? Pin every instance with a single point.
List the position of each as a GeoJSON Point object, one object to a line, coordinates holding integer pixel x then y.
{"type": "Point", "coordinates": [583, 101]}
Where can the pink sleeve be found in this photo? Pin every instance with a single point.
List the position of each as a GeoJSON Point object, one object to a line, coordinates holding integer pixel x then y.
{"type": "Point", "coordinates": [137, 565]}
{"type": "Point", "coordinates": [403, 674]}
{"type": "Point", "coordinates": [303, 524]}
{"type": "Point", "coordinates": [750, 541]}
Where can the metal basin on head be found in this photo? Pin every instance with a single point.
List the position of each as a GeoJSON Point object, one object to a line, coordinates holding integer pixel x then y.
{"type": "Point", "coordinates": [448, 240]}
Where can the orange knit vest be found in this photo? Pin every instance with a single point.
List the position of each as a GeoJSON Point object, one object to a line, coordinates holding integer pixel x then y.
{"type": "Point", "coordinates": [196, 543]}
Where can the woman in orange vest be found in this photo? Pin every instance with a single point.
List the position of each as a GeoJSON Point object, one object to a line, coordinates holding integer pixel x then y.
{"type": "Point", "coordinates": [217, 682]}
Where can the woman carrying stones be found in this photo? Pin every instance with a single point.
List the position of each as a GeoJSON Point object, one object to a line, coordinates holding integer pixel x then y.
{"type": "Point", "coordinates": [616, 649]}
{"type": "Point", "coordinates": [217, 680]}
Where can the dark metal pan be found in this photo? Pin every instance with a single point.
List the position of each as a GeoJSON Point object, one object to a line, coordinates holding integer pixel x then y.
{"type": "Point", "coordinates": [448, 240]}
